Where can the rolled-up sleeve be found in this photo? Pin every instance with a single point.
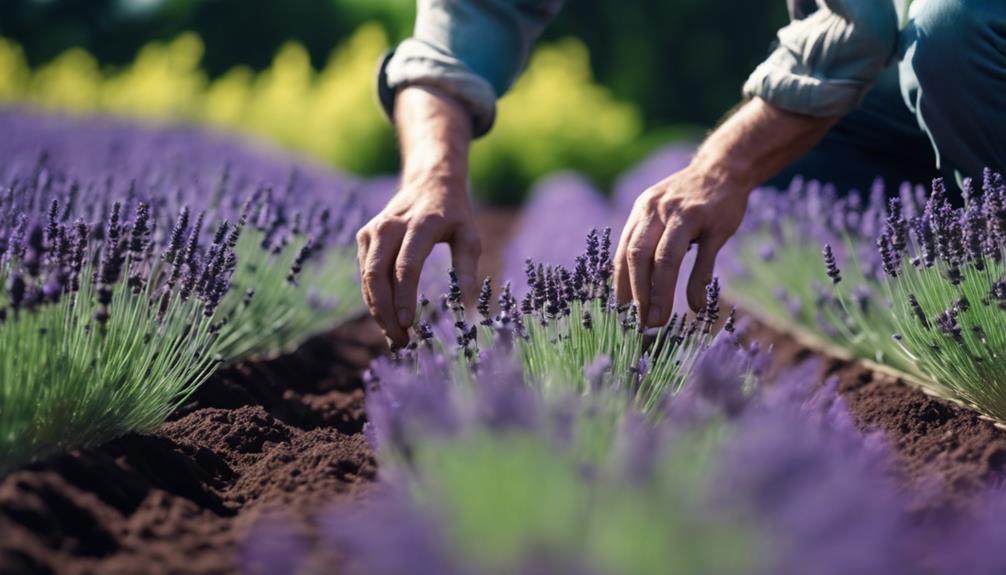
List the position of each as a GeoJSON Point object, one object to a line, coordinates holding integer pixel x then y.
{"type": "Point", "coordinates": [471, 49]}
{"type": "Point", "coordinates": [828, 59]}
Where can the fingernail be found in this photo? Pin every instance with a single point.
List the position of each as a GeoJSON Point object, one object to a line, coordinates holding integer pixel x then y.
{"type": "Point", "coordinates": [404, 317]}
{"type": "Point", "coordinates": [653, 317]}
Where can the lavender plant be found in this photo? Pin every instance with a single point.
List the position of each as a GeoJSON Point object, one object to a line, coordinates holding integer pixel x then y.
{"type": "Point", "coordinates": [774, 266]}
{"type": "Point", "coordinates": [490, 475]}
{"type": "Point", "coordinates": [915, 283]}
{"type": "Point", "coordinates": [134, 260]}
{"type": "Point", "coordinates": [508, 477]}
{"type": "Point", "coordinates": [99, 333]}
{"type": "Point", "coordinates": [290, 224]}
{"type": "Point", "coordinates": [566, 320]}
{"type": "Point", "coordinates": [944, 270]}
{"type": "Point", "coordinates": [542, 236]}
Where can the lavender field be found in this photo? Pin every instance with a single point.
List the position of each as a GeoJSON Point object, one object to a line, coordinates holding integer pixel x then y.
{"type": "Point", "coordinates": [189, 382]}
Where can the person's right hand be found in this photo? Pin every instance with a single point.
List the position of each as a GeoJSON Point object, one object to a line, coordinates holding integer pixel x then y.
{"type": "Point", "coordinates": [393, 246]}
{"type": "Point", "coordinates": [432, 206]}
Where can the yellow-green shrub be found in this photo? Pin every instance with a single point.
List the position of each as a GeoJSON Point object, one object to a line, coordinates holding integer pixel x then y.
{"type": "Point", "coordinates": [555, 118]}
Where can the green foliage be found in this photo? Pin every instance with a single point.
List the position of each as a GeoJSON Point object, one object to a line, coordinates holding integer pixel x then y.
{"type": "Point", "coordinates": [545, 505]}
{"type": "Point", "coordinates": [681, 61]}
{"type": "Point", "coordinates": [555, 118]}
{"type": "Point", "coordinates": [968, 367]}
{"type": "Point", "coordinates": [793, 287]}
{"type": "Point", "coordinates": [66, 381]}
{"type": "Point", "coordinates": [281, 313]}
{"type": "Point", "coordinates": [555, 352]}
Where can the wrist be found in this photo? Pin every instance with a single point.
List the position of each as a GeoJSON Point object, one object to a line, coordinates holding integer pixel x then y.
{"type": "Point", "coordinates": [725, 171]}
{"type": "Point", "coordinates": [435, 134]}
{"type": "Point", "coordinates": [447, 182]}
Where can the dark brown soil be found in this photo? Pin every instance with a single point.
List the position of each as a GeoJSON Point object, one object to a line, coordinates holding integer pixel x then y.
{"type": "Point", "coordinates": [942, 450]}
{"type": "Point", "coordinates": [282, 436]}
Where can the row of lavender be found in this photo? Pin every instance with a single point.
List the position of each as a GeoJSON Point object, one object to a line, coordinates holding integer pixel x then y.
{"type": "Point", "coordinates": [908, 278]}
{"type": "Point", "coordinates": [492, 466]}
{"type": "Point", "coordinates": [554, 437]}
{"type": "Point", "coordinates": [911, 281]}
{"type": "Point", "coordinates": [135, 259]}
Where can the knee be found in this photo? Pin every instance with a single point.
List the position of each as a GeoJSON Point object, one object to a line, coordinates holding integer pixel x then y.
{"type": "Point", "coordinates": [954, 77]}
{"type": "Point", "coordinates": [954, 37]}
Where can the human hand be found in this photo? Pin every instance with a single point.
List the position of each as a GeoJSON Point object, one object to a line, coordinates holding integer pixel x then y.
{"type": "Point", "coordinates": [393, 247]}
{"type": "Point", "coordinates": [432, 206]}
{"type": "Point", "coordinates": [704, 204]}
{"type": "Point", "coordinates": [692, 206]}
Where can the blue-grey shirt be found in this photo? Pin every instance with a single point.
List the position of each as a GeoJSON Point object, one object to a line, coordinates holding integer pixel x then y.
{"type": "Point", "coordinates": [826, 59]}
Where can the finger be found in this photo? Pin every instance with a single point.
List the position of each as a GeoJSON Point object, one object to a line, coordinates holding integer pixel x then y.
{"type": "Point", "coordinates": [623, 289]}
{"type": "Point", "coordinates": [702, 273]}
{"type": "Point", "coordinates": [416, 247]}
{"type": "Point", "coordinates": [640, 254]}
{"type": "Point", "coordinates": [362, 248]}
{"type": "Point", "coordinates": [666, 266]}
{"type": "Point", "coordinates": [377, 277]}
{"type": "Point", "coordinates": [465, 251]}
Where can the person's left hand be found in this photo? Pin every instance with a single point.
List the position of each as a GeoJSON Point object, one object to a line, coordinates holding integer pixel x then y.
{"type": "Point", "coordinates": [691, 206]}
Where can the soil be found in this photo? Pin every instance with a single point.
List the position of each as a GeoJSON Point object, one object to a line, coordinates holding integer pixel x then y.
{"type": "Point", "coordinates": [946, 453]}
{"type": "Point", "coordinates": [282, 436]}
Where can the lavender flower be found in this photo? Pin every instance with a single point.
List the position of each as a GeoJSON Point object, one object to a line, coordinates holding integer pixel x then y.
{"type": "Point", "coordinates": [485, 297]}
{"type": "Point", "coordinates": [831, 265]}
{"type": "Point", "coordinates": [177, 240]}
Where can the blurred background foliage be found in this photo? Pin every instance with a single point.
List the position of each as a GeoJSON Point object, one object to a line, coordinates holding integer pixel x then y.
{"type": "Point", "coordinates": [299, 72]}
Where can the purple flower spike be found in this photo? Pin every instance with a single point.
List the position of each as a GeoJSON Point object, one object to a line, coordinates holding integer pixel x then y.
{"type": "Point", "coordinates": [485, 296]}
{"type": "Point", "coordinates": [597, 371]}
{"type": "Point", "coordinates": [890, 256]}
{"type": "Point", "coordinates": [711, 312]}
{"type": "Point", "coordinates": [831, 265]}
{"type": "Point", "coordinates": [139, 236]}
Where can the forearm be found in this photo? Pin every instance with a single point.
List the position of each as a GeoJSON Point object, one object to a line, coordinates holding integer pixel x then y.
{"type": "Point", "coordinates": [756, 143]}
{"type": "Point", "coordinates": [435, 132]}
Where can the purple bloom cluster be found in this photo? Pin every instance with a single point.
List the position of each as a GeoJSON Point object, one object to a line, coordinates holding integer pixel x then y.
{"type": "Point", "coordinates": [923, 277]}
{"type": "Point", "coordinates": [161, 209]}
{"type": "Point", "coordinates": [815, 214]}
{"type": "Point", "coordinates": [563, 205]}
{"type": "Point", "coordinates": [788, 467]}
{"type": "Point", "coordinates": [91, 164]}
{"type": "Point", "coordinates": [959, 244]}
{"type": "Point", "coordinates": [559, 208]}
